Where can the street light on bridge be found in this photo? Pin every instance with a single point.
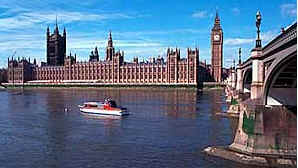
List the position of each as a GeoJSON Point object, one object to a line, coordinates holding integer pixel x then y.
{"type": "Point", "coordinates": [258, 24]}
{"type": "Point", "coordinates": [239, 56]}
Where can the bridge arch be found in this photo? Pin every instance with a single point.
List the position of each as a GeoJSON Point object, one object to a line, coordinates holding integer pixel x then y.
{"type": "Point", "coordinates": [247, 80]}
{"type": "Point", "coordinates": [280, 87]}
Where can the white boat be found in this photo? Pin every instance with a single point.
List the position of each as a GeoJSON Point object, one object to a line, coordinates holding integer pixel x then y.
{"type": "Point", "coordinates": [108, 107]}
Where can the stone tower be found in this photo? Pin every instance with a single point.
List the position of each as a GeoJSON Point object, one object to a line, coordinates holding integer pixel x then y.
{"type": "Point", "coordinates": [56, 47]}
{"type": "Point", "coordinates": [216, 50]}
{"type": "Point", "coordinates": [173, 56]}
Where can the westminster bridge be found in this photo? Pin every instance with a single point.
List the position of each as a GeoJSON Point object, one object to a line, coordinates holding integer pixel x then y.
{"type": "Point", "coordinates": [263, 91]}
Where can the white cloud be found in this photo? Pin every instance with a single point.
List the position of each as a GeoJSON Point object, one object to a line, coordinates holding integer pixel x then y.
{"type": "Point", "coordinates": [159, 35]}
{"type": "Point", "coordinates": [268, 36]}
{"type": "Point", "coordinates": [9, 41]}
{"type": "Point", "coordinates": [236, 11]}
{"type": "Point", "coordinates": [200, 14]}
{"type": "Point", "coordinates": [265, 37]}
{"type": "Point", "coordinates": [237, 41]}
{"type": "Point", "coordinates": [147, 52]}
{"type": "Point", "coordinates": [30, 19]}
{"type": "Point", "coordinates": [138, 43]}
{"type": "Point", "coordinates": [87, 43]}
{"type": "Point", "coordinates": [288, 10]}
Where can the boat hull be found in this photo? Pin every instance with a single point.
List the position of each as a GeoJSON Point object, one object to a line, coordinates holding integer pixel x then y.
{"type": "Point", "coordinates": [104, 112]}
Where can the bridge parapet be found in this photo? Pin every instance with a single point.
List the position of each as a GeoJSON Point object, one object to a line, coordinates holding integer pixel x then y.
{"type": "Point", "coordinates": [282, 39]}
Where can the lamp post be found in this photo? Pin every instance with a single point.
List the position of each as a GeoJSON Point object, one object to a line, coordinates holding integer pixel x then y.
{"type": "Point", "coordinates": [239, 56]}
{"type": "Point", "coordinates": [258, 24]}
{"type": "Point", "coordinates": [257, 65]}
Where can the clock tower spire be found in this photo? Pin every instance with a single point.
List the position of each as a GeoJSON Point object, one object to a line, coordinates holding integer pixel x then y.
{"type": "Point", "coordinates": [216, 50]}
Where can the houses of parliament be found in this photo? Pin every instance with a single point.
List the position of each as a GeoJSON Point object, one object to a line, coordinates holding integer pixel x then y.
{"type": "Point", "coordinates": [62, 68]}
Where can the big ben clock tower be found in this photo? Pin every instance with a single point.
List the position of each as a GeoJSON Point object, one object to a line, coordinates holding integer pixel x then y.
{"type": "Point", "coordinates": [216, 50]}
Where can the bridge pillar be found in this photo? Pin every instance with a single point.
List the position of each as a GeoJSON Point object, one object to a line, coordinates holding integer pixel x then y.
{"type": "Point", "coordinates": [228, 88]}
{"type": "Point", "coordinates": [257, 74]}
{"type": "Point", "coordinates": [239, 86]}
{"type": "Point", "coordinates": [233, 75]}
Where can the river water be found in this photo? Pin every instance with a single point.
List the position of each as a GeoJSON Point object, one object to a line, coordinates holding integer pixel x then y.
{"type": "Point", "coordinates": [166, 128]}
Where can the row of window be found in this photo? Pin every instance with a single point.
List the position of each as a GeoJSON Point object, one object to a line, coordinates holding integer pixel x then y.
{"type": "Point", "coordinates": [82, 77]}
{"type": "Point", "coordinates": [95, 69]}
{"type": "Point", "coordinates": [91, 72]}
{"type": "Point", "coordinates": [96, 74]}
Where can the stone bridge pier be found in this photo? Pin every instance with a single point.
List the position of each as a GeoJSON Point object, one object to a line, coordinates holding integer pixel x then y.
{"type": "Point", "coordinates": [268, 132]}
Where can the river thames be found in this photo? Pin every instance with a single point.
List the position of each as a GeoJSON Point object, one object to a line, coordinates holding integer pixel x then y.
{"type": "Point", "coordinates": [166, 128]}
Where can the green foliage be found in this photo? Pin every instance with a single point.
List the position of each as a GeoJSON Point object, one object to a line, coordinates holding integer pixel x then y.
{"type": "Point", "coordinates": [248, 124]}
{"type": "Point", "coordinates": [234, 102]}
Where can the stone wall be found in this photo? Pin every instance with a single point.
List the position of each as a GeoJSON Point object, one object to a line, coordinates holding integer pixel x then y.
{"type": "Point", "coordinates": [266, 131]}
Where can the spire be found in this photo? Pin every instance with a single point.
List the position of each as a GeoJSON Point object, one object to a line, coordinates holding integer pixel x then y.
{"type": "Point", "coordinates": [216, 22]}
{"type": "Point", "coordinates": [96, 51]}
{"type": "Point", "coordinates": [110, 34]}
{"type": "Point", "coordinates": [216, 15]}
{"type": "Point", "coordinates": [64, 32]}
{"type": "Point", "coordinates": [110, 41]}
{"type": "Point", "coordinates": [56, 20]}
{"type": "Point", "coordinates": [34, 61]}
{"type": "Point", "coordinates": [48, 32]}
{"type": "Point", "coordinates": [56, 29]}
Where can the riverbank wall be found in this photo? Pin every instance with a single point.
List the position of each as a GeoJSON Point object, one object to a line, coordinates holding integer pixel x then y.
{"type": "Point", "coordinates": [113, 85]}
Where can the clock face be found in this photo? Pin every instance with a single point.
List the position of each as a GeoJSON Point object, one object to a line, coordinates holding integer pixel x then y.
{"type": "Point", "coordinates": [216, 37]}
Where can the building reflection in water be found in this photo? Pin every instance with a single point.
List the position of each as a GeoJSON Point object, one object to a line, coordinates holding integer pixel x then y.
{"type": "Point", "coordinates": [58, 128]}
{"type": "Point", "coordinates": [174, 103]}
{"type": "Point", "coordinates": [216, 102]}
{"type": "Point", "coordinates": [181, 103]}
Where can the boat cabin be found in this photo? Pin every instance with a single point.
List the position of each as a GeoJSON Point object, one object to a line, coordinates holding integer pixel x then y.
{"type": "Point", "coordinates": [105, 104]}
{"type": "Point", "coordinates": [111, 103]}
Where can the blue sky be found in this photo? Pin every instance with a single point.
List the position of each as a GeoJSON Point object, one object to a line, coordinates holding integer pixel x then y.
{"type": "Point", "coordinates": [139, 27]}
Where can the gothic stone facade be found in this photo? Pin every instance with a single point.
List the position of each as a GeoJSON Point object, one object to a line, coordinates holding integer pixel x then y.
{"type": "Point", "coordinates": [20, 71]}
{"type": "Point", "coordinates": [3, 75]}
{"type": "Point", "coordinates": [113, 69]}
{"type": "Point", "coordinates": [116, 71]}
